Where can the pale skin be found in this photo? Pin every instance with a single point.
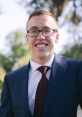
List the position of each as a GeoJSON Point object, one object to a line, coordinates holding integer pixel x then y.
{"type": "Point", "coordinates": [42, 48]}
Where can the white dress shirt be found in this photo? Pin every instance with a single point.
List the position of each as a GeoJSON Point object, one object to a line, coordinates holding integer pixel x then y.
{"type": "Point", "coordinates": [34, 78]}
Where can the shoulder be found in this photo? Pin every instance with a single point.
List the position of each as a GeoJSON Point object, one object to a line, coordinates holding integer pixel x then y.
{"type": "Point", "coordinates": [68, 61]}
{"type": "Point", "coordinates": [17, 72]}
{"type": "Point", "coordinates": [72, 62]}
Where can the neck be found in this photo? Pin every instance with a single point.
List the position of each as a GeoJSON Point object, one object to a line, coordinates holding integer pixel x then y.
{"type": "Point", "coordinates": [41, 60]}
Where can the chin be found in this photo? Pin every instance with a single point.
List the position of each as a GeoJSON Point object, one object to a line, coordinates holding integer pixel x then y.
{"type": "Point", "coordinates": [44, 55]}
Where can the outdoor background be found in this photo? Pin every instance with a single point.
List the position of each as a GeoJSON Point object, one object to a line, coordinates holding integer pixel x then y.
{"type": "Point", "coordinates": [14, 51]}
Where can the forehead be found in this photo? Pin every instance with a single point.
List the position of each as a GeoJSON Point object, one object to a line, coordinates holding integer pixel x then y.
{"type": "Point", "coordinates": [41, 21]}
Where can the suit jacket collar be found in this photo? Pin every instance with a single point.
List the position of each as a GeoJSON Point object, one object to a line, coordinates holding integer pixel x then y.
{"type": "Point", "coordinates": [58, 66]}
{"type": "Point", "coordinates": [56, 76]}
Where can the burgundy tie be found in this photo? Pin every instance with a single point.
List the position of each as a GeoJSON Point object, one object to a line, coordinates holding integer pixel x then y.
{"type": "Point", "coordinates": [40, 92]}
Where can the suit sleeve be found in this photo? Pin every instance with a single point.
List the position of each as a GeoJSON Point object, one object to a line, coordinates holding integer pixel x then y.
{"type": "Point", "coordinates": [6, 106]}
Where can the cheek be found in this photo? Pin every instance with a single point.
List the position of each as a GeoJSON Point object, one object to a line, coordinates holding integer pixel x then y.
{"type": "Point", "coordinates": [52, 39]}
{"type": "Point", "coordinates": [57, 38]}
{"type": "Point", "coordinates": [31, 43]}
{"type": "Point", "coordinates": [29, 40]}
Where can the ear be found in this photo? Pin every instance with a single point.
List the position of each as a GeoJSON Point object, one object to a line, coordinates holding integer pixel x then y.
{"type": "Point", "coordinates": [27, 38]}
{"type": "Point", "coordinates": [57, 38]}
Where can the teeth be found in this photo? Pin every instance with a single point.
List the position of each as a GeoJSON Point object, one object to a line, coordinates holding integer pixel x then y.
{"type": "Point", "coordinates": [41, 45]}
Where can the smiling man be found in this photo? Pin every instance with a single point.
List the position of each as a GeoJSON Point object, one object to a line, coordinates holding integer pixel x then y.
{"type": "Point", "coordinates": [42, 35]}
{"type": "Point", "coordinates": [49, 85]}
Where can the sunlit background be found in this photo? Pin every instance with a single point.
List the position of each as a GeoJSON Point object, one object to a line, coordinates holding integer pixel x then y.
{"type": "Point", "coordinates": [13, 16]}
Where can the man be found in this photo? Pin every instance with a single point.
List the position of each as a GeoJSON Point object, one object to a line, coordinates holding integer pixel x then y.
{"type": "Point", "coordinates": [64, 77]}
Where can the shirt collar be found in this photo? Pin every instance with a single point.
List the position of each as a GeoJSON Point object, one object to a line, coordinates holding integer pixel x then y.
{"type": "Point", "coordinates": [35, 65]}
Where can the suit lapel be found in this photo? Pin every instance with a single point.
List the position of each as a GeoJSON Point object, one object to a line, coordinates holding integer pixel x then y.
{"type": "Point", "coordinates": [26, 75]}
{"type": "Point", "coordinates": [23, 88]}
{"type": "Point", "coordinates": [57, 72]}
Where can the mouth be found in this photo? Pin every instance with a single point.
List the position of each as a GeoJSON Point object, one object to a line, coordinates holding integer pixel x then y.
{"type": "Point", "coordinates": [40, 45]}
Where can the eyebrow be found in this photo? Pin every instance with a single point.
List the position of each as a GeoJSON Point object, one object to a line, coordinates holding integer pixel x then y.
{"type": "Point", "coordinates": [36, 27]}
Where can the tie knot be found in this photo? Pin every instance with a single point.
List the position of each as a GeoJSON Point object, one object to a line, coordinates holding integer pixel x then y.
{"type": "Point", "coordinates": [43, 69]}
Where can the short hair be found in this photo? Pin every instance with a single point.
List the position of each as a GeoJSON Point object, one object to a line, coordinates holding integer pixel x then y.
{"type": "Point", "coordinates": [38, 13]}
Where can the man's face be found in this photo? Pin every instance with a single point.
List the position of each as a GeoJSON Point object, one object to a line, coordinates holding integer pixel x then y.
{"type": "Point", "coordinates": [42, 46]}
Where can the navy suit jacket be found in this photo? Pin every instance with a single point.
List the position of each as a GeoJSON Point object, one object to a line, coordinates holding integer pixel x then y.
{"type": "Point", "coordinates": [63, 95]}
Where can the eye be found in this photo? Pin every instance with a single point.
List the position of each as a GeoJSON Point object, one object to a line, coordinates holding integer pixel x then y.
{"type": "Point", "coordinates": [47, 31]}
{"type": "Point", "coordinates": [33, 31]}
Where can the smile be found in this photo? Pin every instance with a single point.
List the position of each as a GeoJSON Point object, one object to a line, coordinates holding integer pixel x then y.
{"type": "Point", "coordinates": [41, 45]}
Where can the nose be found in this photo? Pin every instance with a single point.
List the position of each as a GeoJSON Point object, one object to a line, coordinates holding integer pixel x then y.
{"type": "Point", "coordinates": [40, 36]}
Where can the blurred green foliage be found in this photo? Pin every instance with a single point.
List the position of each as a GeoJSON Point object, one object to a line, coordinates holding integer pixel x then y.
{"type": "Point", "coordinates": [17, 49]}
{"type": "Point", "coordinates": [74, 51]}
{"type": "Point", "coordinates": [0, 84]}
